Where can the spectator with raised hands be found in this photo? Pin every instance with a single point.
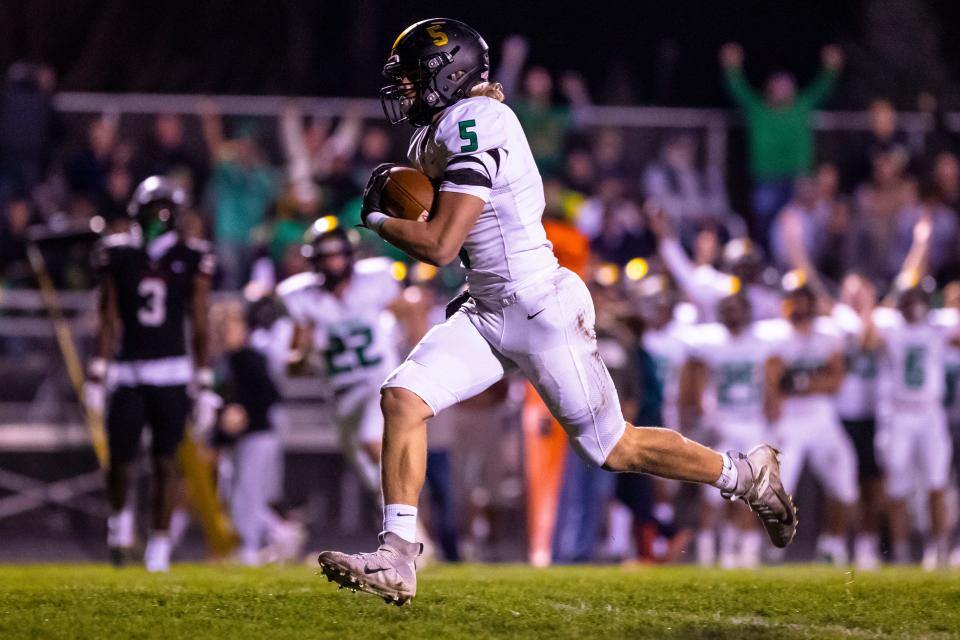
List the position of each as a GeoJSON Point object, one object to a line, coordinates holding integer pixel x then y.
{"type": "Point", "coordinates": [778, 127]}
{"type": "Point", "coordinates": [244, 184]}
{"type": "Point", "coordinates": [545, 122]}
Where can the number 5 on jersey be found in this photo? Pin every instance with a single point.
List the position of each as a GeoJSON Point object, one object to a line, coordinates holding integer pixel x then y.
{"type": "Point", "coordinates": [469, 136]}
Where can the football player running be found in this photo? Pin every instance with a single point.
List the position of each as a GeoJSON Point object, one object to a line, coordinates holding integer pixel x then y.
{"type": "Point", "coordinates": [341, 311]}
{"type": "Point", "coordinates": [524, 313]}
{"type": "Point", "coordinates": [152, 277]}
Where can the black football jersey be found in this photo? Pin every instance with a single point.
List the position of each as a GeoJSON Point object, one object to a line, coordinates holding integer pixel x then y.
{"type": "Point", "coordinates": [154, 284]}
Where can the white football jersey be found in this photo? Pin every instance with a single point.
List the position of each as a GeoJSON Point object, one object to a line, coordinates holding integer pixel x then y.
{"type": "Point", "coordinates": [913, 363]}
{"type": "Point", "coordinates": [735, 366]}
{"type": "Point", "coordinates": [857, 397]}
{"type": "Point", "coordinates": [477, 147]}
{"type": "Point", "coordinates": [668, 350]}
{"type": "Point", "coordinates": [354, 337]}
{"type": "Point", "coordinates": [804, 353]}
{"type": "Point", "coordinates": [950, 318]}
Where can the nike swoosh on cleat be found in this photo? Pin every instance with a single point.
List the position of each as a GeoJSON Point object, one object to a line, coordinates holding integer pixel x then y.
{"type": "Point", "coordinates": [369, 571]}
{"type": "Point", "coordinates": [529, 317]}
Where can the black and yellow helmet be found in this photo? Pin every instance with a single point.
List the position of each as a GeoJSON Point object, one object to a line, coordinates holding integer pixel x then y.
{"type": "Point", "coordinates": [432, 64]}
{"type": "Point", "coordinates": [327, 237]}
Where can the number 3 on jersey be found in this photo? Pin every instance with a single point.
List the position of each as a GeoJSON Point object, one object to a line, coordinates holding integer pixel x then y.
{"type": "Point", "coordinates": [154, 310]}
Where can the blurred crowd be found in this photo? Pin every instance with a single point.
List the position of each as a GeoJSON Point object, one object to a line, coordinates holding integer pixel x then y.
{"type": "Point", "coordinates": [656, 236]}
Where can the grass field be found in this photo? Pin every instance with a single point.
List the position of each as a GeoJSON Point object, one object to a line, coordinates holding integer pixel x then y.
{"type": "Point", "coordinates": [88, 601]}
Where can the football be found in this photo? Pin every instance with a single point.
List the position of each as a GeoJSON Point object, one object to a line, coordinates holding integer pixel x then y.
{"type": "Point", "coordinates": [407, 194]}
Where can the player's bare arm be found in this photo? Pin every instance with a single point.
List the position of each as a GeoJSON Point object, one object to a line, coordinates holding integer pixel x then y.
{"type": "Point", "coordinates": [773, 372]}
{"type": "Point", "coordinates": [107, 320]}
{"type": "Point", "coordinates": [437, 240]}
{"type": "Point", "coordinates": [693, 381]}
{"type": "Point", "coordinates": [827, 379]}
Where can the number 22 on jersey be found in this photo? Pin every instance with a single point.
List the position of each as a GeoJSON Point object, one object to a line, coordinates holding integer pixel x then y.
{"type": "Point", "coordinates": [347, 349]}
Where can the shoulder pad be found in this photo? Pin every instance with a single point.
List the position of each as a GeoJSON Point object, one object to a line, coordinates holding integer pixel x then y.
{"type": "Point", "coordinates": [297, 282]}
{"type": "Point", "coordinates": [946, 317]}
{"type": "Point", "coordinates": [826, 326]}
{"type": "Point", "coordinates": [773, 330]}
{"type": "Point", "coordinates": [886, 317]}
{"type": "Point", "coordinates": [473, 125]}
{"type": "Point", "coordinates": [372, 265]}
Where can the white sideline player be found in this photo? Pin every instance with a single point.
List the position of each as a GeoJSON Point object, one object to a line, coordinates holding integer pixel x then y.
{"type": "Point", "coordinates": [341, 309]}
{"type": "Point", "coordinates": [913, 438]}
{"type": "Point", "coordinates": [729, 365]}
{"type": "Point", "coordinates": [524, 312]}
{"type": "Point", "coordinates": [803, 408]}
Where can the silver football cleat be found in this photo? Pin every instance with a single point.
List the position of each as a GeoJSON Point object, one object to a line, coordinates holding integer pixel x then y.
{"type": "Point", "coordinates": [389, 572]}
{"type": "Point", "coordinates": [759, 485]}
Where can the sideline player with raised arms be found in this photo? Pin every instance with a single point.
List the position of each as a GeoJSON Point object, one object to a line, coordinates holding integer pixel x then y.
{"type": "Point", "coordinates": [152, 278]}
{"type": "Point", "coordinates": [524, 312]}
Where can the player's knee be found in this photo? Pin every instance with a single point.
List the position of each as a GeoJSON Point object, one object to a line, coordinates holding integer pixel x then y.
{"type": "Point", "coordinates": [627, 455]}
{"type": "Point", "coordinates": [402, 405]}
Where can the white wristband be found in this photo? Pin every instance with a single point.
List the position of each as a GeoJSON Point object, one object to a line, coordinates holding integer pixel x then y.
{"type": "Point", "coordinates": [375, 220]}
{"type": "Point", "coordinates": [204, 377]}
{"type": "Point", "coordinates": [97, 368]}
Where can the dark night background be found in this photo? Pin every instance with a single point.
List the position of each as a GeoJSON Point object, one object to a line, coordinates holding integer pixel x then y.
{"type": "Point", "coordinates": [637, 52]}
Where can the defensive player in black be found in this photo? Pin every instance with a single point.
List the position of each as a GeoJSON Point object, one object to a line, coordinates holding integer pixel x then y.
{"type": "Point", "coordinates": [152, 278]}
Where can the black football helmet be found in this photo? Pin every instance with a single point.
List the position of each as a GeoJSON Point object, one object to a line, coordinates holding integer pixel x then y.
{"type": "Point", "coordinates": [324, 239]}
{"type": "Point", "coordinates": [432, 64]}
{"type": "Point", "coordinates": [155, 204]}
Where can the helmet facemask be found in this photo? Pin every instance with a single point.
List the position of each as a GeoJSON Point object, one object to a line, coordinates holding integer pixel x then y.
{"type": "Point", "coordinates": [433, 64]}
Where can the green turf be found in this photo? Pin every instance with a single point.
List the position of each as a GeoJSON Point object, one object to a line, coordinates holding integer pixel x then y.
{"type": "Point", "coordinates": [479, 602]}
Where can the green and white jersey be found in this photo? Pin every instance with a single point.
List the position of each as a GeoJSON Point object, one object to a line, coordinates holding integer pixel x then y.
{"type": "Point", "coordinates": [804, 354]}
{"type": "Point", "coordinates": [735, 365]}
{"type": "Point", "coordinates": [668, 348]}
{"type": "Point", "coordinates": [477, 147]}
{"type": "Point", "coordinates": [354, 337]}
{"type": "Point", "coordinates": [913, 367]}
{"type": "Point", "coordinates": [950, 318]}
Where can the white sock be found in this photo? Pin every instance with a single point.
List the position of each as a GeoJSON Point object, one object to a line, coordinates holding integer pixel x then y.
{"type": "Point", "coordinates": [728, 475]}
{"type": "Point", "coordinates": [120, 527]}
{"type": "Point", "coordinates": [401, 519]}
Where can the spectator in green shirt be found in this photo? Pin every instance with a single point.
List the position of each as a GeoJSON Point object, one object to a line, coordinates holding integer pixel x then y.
{"type": "Point", "coordinates": [778, 128]}
{"type": "Point", "coordinates": [243, 186]}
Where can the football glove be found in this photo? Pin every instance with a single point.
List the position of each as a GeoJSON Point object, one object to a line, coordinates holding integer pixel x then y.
{"type": "Point", "coordinates": [371, 193]}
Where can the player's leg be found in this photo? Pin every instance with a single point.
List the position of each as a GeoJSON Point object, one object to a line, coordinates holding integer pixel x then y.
{"type": "Point", "coordinates": [124, 422]}
{"type": "Point", "coordinates": [167, 409]}
{"type": "Point", "coordinates": [896, 444]}
{"type": "Point", "coordinates": [835, 464]}
{"type": "Point", "coordinates": [549, 333]}
{"type": "Point", "coordinates": [453, 362]}
{"type": "Point", "coordinates": [866, 543]}
{"type": "Point", "coordinates": [935, 454]}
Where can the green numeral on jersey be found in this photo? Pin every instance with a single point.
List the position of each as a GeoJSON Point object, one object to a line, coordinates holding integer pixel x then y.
{"type": "Point", "coordinates": [469, 136]}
